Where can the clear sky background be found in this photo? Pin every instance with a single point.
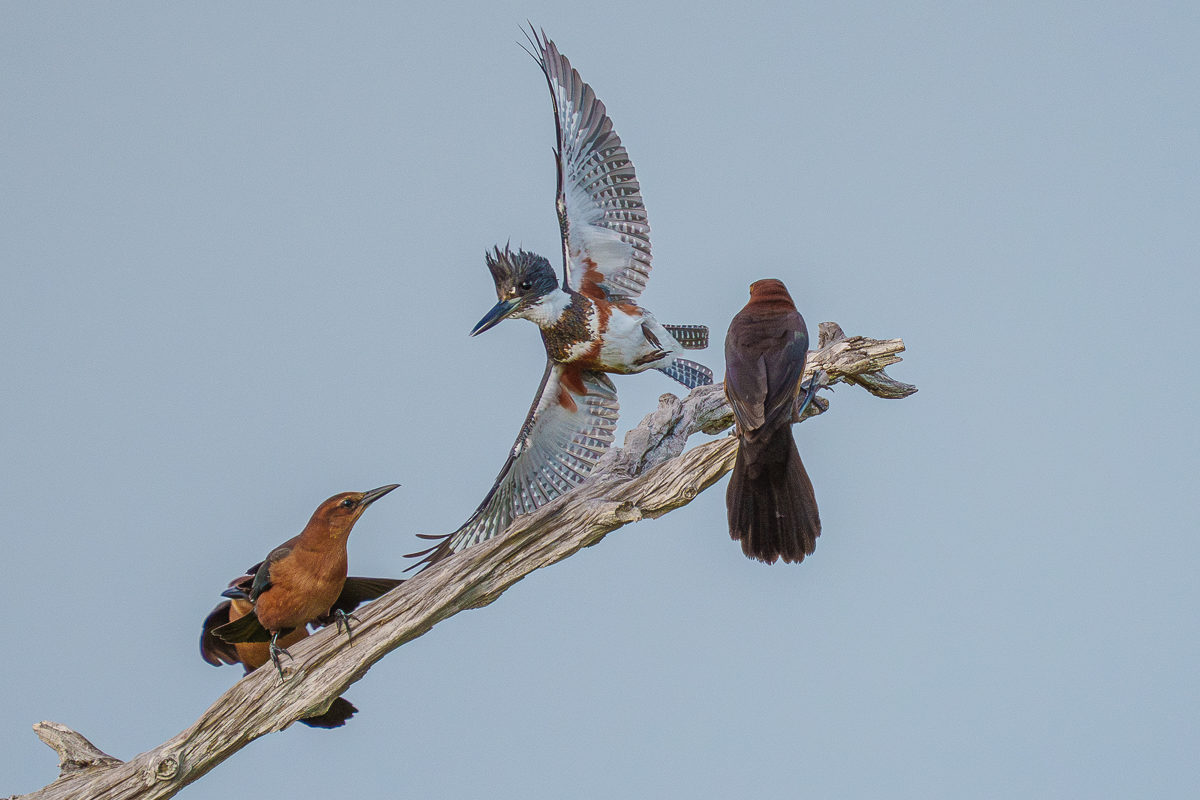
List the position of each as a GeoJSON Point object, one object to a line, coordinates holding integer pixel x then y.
{"type": "Point", "coordinates": [242, 245]}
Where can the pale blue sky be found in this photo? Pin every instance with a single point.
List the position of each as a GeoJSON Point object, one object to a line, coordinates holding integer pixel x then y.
{"type": "Point", "coordinates": [241, 249]}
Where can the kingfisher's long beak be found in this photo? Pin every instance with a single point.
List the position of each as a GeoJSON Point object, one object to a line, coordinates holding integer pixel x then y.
{"type": "Point", "coordinates": [375, 494]}
{"type": "Point", "coordinates": [498, 312]}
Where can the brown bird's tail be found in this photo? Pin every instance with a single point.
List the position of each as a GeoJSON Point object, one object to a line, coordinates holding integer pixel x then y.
{"type": "Point", "coordinates": [772, 506]}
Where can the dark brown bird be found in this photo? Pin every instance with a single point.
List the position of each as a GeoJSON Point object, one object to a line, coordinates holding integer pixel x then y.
{"type": "Point", "coordinates": [772, 507]}
{"type": "Point", "coordinates": [304, 580]}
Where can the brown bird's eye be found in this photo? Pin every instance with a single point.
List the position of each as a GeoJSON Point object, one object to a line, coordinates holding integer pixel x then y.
{"type": "Point", "coordinates": [347, 503]}
{"type": "Point", "coordinates": [525, 286]}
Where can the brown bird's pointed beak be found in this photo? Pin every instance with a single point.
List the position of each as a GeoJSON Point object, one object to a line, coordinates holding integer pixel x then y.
{"type": "Point", "coordinates": [375, 494]}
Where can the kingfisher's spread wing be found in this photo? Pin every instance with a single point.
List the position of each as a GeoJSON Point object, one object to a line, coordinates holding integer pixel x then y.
{"type": "Point", "coordinates": [764, 362]}
{"type": "Point", "coordinates": [568, 429]}
{"type": "Point", "coordinates": [606, 238]}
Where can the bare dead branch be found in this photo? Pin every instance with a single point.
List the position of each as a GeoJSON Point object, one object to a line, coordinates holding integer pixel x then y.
{"type": "Point", "coordinates": [648, 477]}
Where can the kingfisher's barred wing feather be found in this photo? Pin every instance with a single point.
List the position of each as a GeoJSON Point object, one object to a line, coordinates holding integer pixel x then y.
{"type": "Point", "coordinates": [601, 216]}
{"type": "Point", "coordinates": [564, 436]}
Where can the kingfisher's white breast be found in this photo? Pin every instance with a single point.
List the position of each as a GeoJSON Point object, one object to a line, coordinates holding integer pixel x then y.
{"type": "Point", "coordinates": [625, 342]}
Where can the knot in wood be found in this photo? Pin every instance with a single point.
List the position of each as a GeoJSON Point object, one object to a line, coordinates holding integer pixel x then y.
{"type": "Point", "coordinates": [628, 511]}
{"type": "Point", "coordinates": [167, 768]}
{"type": "Point", "coordinates": [618, 513]}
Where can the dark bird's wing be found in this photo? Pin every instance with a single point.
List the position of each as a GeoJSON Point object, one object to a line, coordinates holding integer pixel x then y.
{"type": "Point", "coordinates": [213, 649]}
{"type": "Point", "coordinates": [764, 360]}
{"type": "Point", "coordinates": [568, 429]}
{"type": "Point", "coordinates": [357, 591]}
{"type": "Point", "coordinates": [606, 238]}
{"type": "Point", "coordinates": [262, 575]}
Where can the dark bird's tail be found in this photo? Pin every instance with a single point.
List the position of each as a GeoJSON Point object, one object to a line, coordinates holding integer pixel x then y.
{"type": "Point", "coordinates": [772, 507]}
{"type": "Point", "coordinates": [339, 711]}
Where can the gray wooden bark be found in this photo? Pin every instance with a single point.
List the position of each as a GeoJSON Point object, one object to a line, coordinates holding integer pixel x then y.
{"type": "Point", "coordinates": [648, 477]}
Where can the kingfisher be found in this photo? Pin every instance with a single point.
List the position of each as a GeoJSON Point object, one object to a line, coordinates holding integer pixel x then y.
{"type": "Point", "coordinates": [591, 323]}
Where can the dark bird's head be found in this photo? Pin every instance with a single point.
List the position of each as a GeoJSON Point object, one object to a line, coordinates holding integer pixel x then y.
{"type": "Point", "coordinates": [768, 288]}
{"type": "Point", "coordinates": [770, 294]}
{"type": "Point", "coordinates": [522, 280]}
{"type": "Point", "coordinates": [339, 513]}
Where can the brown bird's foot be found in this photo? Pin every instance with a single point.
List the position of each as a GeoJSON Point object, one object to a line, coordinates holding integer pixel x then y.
{"type": "Point", "coordinates": [342, 618]}
{"type": "Point", "coordinates": [276, 651]}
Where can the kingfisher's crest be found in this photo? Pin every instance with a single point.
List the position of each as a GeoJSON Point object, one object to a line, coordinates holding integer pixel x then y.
{"type": "Point", "coordinates": [520, 275]}
{"type": "Point", "coordinates": [523, 281]}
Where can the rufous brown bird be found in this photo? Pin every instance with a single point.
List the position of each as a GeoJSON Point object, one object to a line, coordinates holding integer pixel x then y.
{"type": "Point", "coordinates": [304, 580]}
{"type": "Point", "coordinates": [772, 507]}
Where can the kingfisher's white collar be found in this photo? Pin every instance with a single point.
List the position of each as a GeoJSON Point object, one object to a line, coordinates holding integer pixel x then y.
{"type": "Point", "coordinates": [548, 310]}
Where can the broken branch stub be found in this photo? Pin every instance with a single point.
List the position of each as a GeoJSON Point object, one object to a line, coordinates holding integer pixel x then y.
{"type": "Point", "coordinates": [75, 753]}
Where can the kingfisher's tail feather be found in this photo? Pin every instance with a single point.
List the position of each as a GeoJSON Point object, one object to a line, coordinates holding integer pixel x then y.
{"type": "Point", "coordinates": [689, 373]}
{"type": "Point", "coordinates": [690, 337]}
{"type": "Point", "coordinates": [771, 503]}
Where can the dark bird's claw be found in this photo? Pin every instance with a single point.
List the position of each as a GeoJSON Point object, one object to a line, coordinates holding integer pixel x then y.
{"type": "Point", "coordinates": [342, 618]}
{"type": "Point", "coordinates": [817, 380]}
{"type": "Point", "coordinates": [810, 388]}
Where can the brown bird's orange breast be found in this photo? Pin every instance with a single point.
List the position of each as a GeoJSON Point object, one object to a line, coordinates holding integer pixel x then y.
{"type": "Point", "coordinates": [303, 587]}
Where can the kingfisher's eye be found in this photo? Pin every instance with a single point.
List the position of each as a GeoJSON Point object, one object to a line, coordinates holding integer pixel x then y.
{"type": "Point", "coordinates": [347, 503]}
{"type": "Point", "coordinates": [525, 286]}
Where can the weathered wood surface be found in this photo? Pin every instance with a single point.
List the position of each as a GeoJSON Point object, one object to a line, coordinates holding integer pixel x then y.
{"type": "Point", "coordinates": [648, 477]}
